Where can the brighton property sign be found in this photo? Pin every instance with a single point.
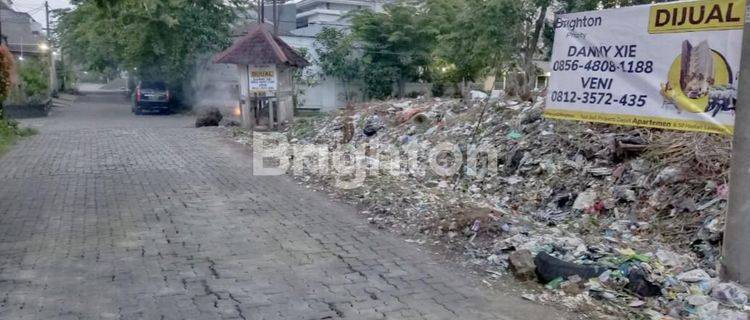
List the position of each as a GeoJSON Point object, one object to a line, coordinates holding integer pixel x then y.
{"type": "Point", "coordinates": [672, 66]}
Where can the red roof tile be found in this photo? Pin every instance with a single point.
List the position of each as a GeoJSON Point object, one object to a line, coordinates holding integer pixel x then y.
{"type": "Point", "coordinates": [260, 47]}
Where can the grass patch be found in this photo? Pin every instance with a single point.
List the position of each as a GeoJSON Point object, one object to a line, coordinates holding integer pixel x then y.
{"type": "Point", "coordinates": [305, 126]}
{"type": "Point", "coordinates": [10, 132]}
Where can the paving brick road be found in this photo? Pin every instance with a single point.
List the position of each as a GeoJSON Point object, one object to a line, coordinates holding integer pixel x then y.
{"type": "Point", "coordinates": [107, 215]}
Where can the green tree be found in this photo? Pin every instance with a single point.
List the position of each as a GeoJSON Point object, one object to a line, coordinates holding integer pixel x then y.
{"type": "Point", "coordinates": [153, 38]}
{"type": "Point", "coordinates": [336, 57]}
{"type": "Point", "coordinates": [34, 76]}
{"type": "Point", "coordinates": [396, 45]}
{"type": "Point", "coordinates": [497, 36]}
{"type": "Point", "coordinates": [7, 72]}
{"type": "Point", "coordinates": [452, 63]}
{"type": "Point", "coordinates": [588, 5]}
{"type": "Point", "coordinates": [302, 78]}
{"type": "Point", "coordinates": [80, 33]}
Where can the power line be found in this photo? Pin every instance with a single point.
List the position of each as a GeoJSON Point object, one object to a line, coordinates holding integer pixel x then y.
{"type": "Point", "coordinates": [30, 11]}
{"type": "Point", "coordinates": [35, 10]}
{"type": "Point", "coordinates": [368, 50]}
{"type": "Point", "coordinates": [23, 7]}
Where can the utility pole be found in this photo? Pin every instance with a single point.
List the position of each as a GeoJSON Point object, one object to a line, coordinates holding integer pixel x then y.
{"type": "Point", "coordinates": [2, 38]}
{"type": "Point", "coordinates": [247, 109]}
{"type": "Point", "coordinates": [64, 73]}
{"type": "Point", "coordinates": [735, 260]}
{"type": "Point", "coordinates": [262, 11]}
{"type": "Point", "coordinates": [275, 19]}
{"type": "Point", "coordinates": [52, 71]}
{"type": "Point", "coordinates": [2, 41]}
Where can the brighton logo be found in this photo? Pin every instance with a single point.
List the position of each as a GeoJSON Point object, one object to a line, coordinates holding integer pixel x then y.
{"type": "Point", "coordinates": [274, 155]}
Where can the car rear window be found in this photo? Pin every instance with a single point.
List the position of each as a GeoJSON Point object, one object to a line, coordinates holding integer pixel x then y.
{"type": "Point", "coordinates": [156, 85]}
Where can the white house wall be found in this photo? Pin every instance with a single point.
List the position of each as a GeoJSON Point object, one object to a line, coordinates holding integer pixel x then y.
{"type": "Point", "coordinates": [218, 84]}
{"type": "Point", "coordinates": [327, 94]}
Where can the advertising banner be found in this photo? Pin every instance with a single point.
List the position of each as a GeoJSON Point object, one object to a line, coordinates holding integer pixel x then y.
{"type": "Point", "coordinates": [671, 66]}
{"type": "Point", "coordinates": [262, 78]}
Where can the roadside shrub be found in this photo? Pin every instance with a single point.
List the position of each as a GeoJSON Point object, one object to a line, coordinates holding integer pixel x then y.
{"type": "Point", "coordinates": [379, 82]}
{"type": "Point", "coordinates": [7, 72]}
{"type": "Point", "coordinates": [7, 135]}
{"type": "Point", "coordinates": [34, 80]}
{"type": "Point", "coordinates": [10, 131]}
{"type": "Point", "coordinates": [7, 75]}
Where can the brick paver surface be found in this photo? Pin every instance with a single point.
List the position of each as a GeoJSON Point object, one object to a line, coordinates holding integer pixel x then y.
{"type": "Point", "coordinates": [107, 215]}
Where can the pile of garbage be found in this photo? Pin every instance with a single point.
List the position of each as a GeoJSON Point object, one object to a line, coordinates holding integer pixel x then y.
{"type": "Point", "coordinates": [210, 117]}
{"type": "Point", "coordinates": [629, 220]}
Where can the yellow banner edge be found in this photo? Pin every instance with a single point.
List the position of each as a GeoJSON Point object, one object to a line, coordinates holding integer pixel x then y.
{"type": "Point", "coordinates": [620, 120]}
{"type": "Point", "coordinates": [663, 31]}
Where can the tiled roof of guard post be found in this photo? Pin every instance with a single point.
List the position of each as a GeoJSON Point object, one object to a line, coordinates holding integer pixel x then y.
{"type": "Point", "coordinates": [260, 47]}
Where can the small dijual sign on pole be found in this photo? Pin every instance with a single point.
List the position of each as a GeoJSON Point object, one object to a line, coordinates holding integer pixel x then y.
{"type": "Point", "coordinates": [263, 79]}
{"type": "Point", "coordinates": [670, 66]}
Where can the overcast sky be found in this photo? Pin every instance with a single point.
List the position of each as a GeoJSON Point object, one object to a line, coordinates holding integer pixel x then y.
{"type": "Point", "coordinates": [36, 7]}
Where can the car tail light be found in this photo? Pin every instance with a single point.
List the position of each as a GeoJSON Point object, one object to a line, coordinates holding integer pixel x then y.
{"type": "Point", "coordinates": [137, 94]}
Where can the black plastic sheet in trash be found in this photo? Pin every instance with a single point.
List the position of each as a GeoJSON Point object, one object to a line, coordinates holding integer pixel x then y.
{"type": "Point", "coordinates": [549, 268]}
{"type": "Point", "coordinates": [640, 285]}
{"type": "Point", "coordinates": [209, 118]}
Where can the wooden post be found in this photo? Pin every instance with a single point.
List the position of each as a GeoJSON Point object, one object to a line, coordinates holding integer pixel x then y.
{"type": "Point", "coordinates": [271, 123]}
{"type": "Point", "coordinates": [248, 121]}
{"type": "Point", "coordinates": [50, 52]}
{"type": "Point", "coordinates": [246, 109]}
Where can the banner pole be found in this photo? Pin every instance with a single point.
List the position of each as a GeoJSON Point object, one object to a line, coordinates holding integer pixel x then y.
{"type": "Point", "coordinates": [735, 261]}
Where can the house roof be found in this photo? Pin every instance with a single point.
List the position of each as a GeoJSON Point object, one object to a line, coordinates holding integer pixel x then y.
{"type": "Point", "coordinates": [260, 47]}
{"type": "Point", "coordinates": [21, 32]}
{"type": "Point", "coordinates": [364, 3]}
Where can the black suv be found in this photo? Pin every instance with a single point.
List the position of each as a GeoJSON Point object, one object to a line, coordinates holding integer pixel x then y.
{"type": "Point", "coordinates": [151, 96]}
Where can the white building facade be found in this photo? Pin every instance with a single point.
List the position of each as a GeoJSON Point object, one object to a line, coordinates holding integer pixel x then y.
{"type": "Point", "coordinates": [312, 17]}
{"type": "Point", "coordinates": [216, 85]}
{"type": "Point", "coordinates": [331, 11]}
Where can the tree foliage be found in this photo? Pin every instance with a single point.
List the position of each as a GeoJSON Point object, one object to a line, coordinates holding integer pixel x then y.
{"type": "Point", "coordinates": [452, 63]}
{"type": "Point", "coordinates": [7, 72]}
{"type": "Point", "coordinates": [152, 38]}
{"type": "Point", "coordinates": [34, 76]}
{"type": "Point", "coordinates": [448, 41]}
{"type": "Point", "coordinates": [568, 6]}
{"type": "Point", "coordinates": [7, 75]}
{"type": "Point", "coordinates": [396, 46]}
{"type": "Point", "coordinates": [443, 41]}
{"type": "Point", "coordinates": [336, 57]}
{"type": "Point", "coordinates": [495, 36]}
